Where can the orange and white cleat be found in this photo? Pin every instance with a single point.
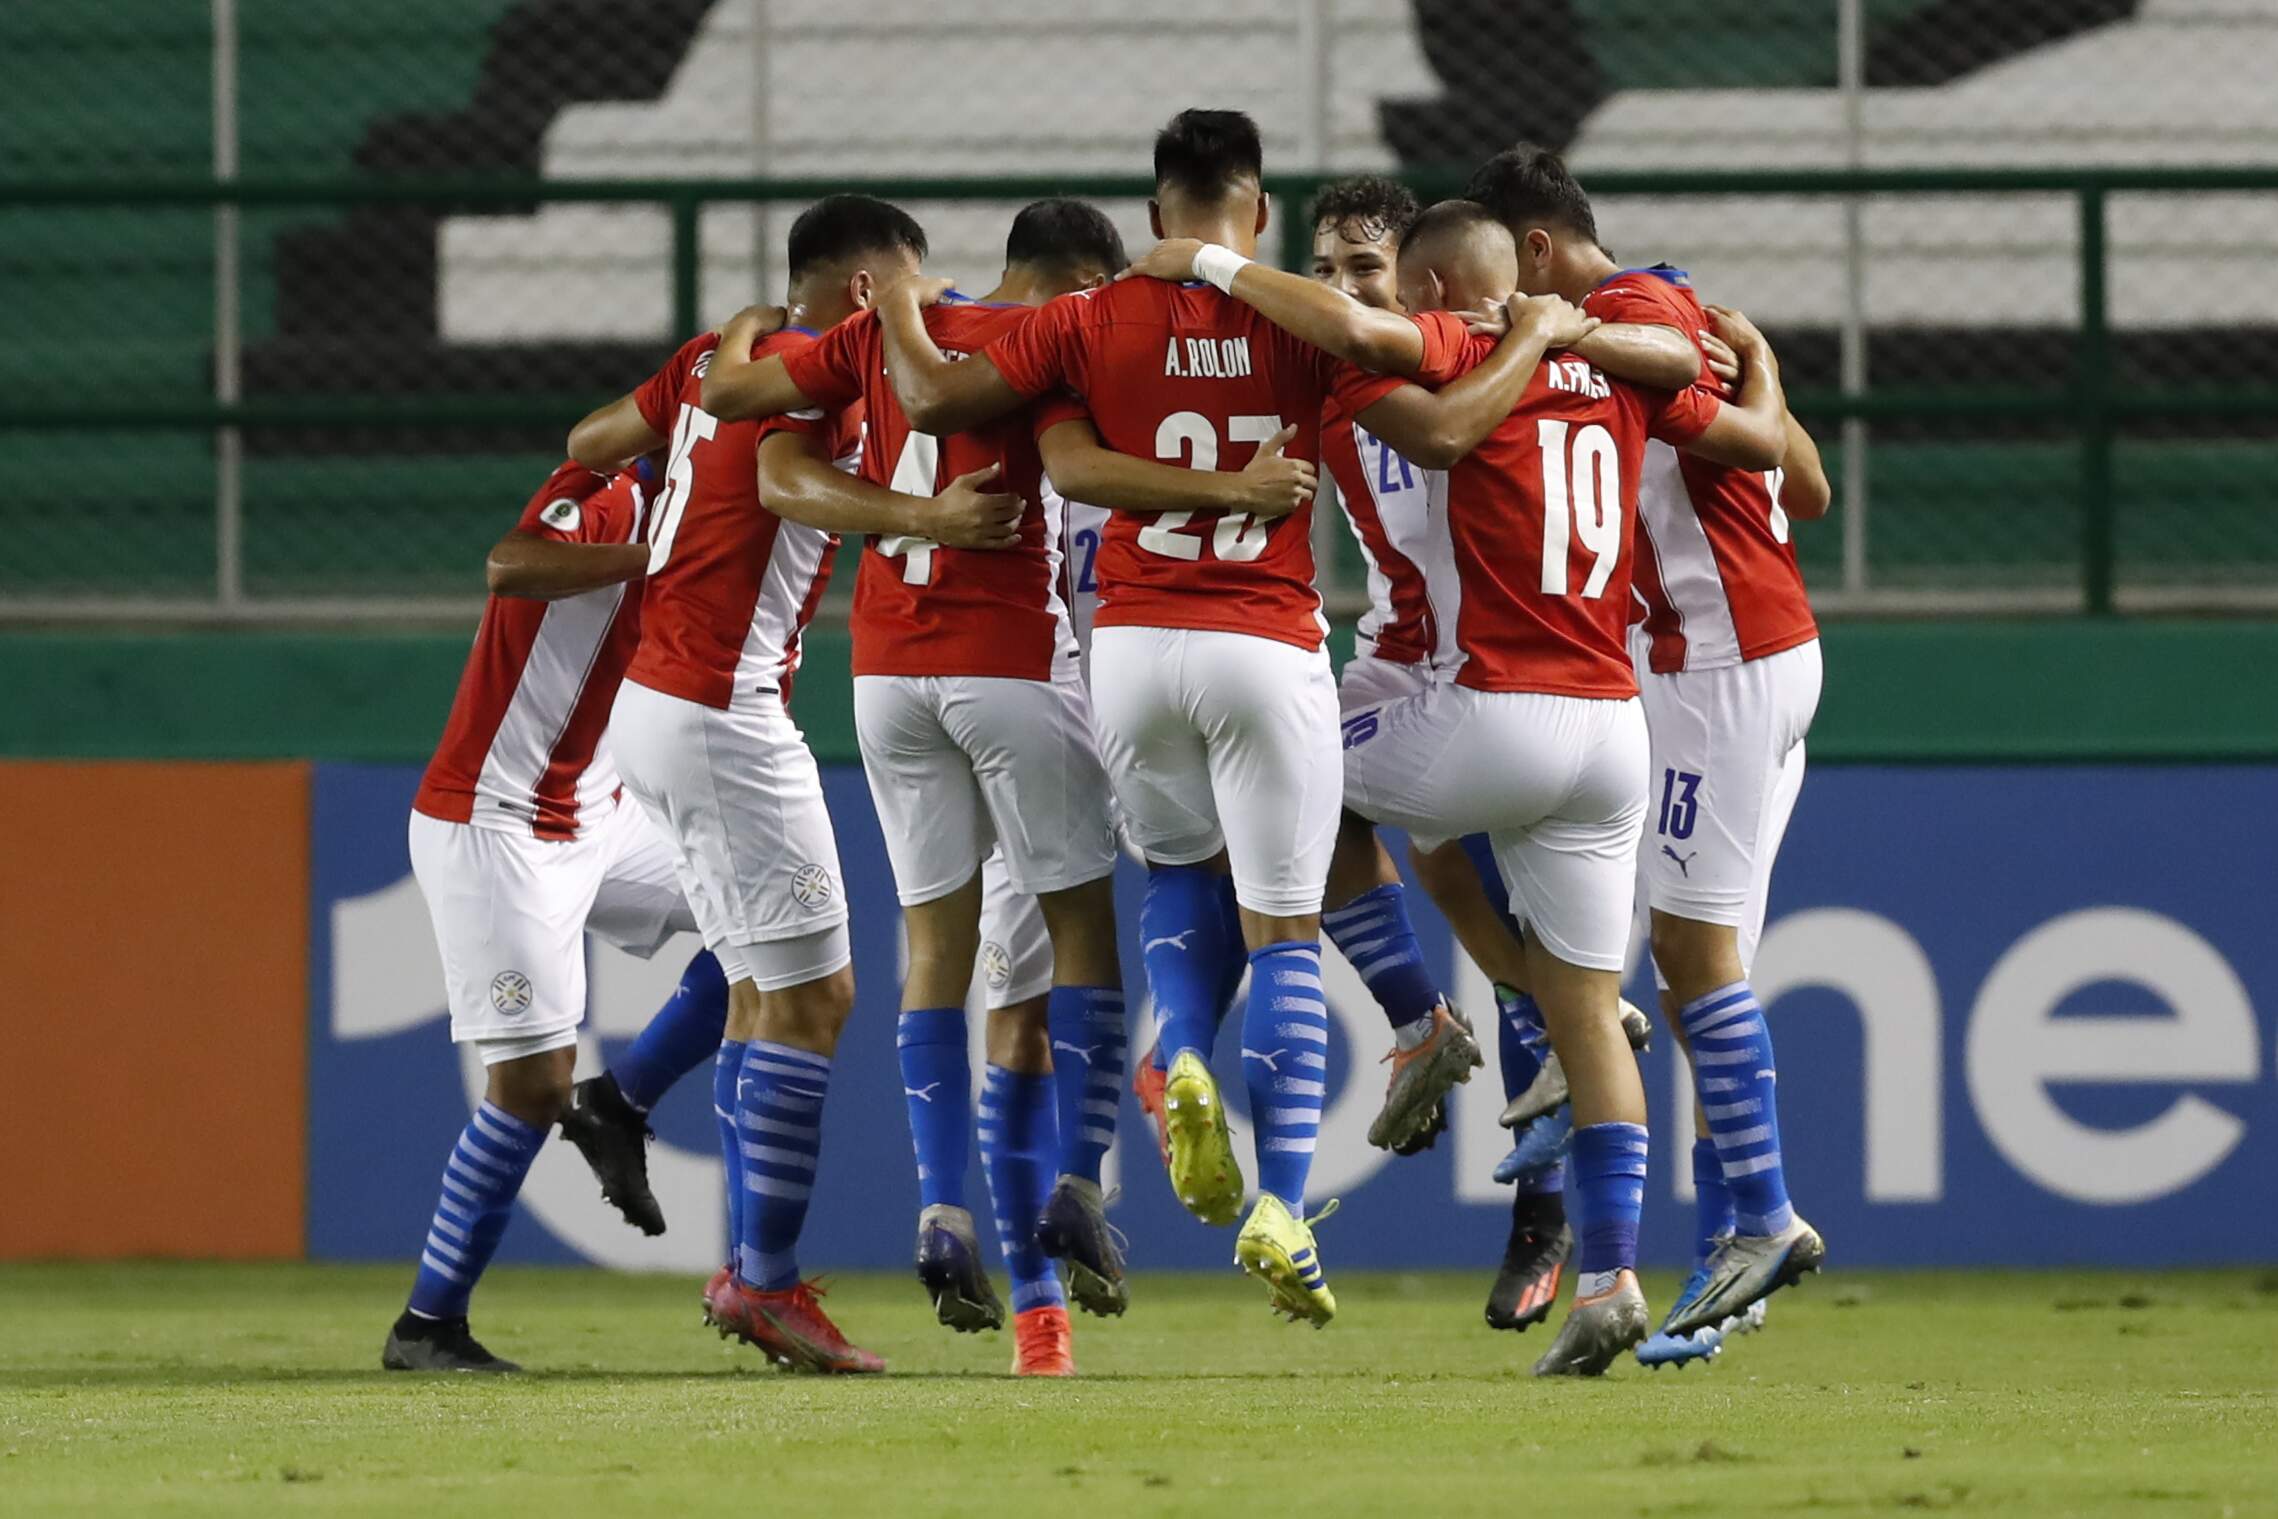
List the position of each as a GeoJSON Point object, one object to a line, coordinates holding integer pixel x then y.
{"type": "Point", "coordinates": [1043, 1343]}
{"type": "Point", "coordinates": [791, 1329]}
{"type": "Point", "coordinates": [1423, 1076]}
{"type": "Point", "coordinates": [1147, 1084]}
{"type": "Point", "coordinates": [1597, 1330]}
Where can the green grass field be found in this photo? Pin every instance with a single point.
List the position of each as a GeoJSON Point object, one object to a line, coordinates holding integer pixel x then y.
{"type": "Point", "coordinates": [194, 1389]}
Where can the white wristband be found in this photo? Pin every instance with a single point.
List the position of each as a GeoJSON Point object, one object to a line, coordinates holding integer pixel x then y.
{"type": "Point", "coordinates": [1218, 265]}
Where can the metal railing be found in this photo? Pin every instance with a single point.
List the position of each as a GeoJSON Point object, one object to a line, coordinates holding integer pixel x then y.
{"type": "Point", "coordinates": [2090, 404]}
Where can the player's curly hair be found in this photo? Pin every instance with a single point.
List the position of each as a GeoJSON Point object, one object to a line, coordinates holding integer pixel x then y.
{"type": "Point", "coordinates": [838, 228]}
{"type": "Point", "coordinates": [1065, 234]}
{"type": "Point", "coordinates": [1376, 208]}
{"type": "Point", "coordinates": [1529, 185]}
{"type": "Point", "coordinates": [1204, 152]}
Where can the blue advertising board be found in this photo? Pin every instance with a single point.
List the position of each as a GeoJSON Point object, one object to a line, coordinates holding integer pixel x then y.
{"type": "Point", "coordinates": [2022, 1018]}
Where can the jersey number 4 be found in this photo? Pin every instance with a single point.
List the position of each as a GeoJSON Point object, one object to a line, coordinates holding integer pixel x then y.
{"type": "Point", "coordinates": [1581, 498]}
{"type": "Point", "coordinates": [1239, 537]}
{"type": "Point", "coordinates": [914, 474]}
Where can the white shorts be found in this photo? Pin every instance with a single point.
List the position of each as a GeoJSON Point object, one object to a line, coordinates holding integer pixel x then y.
{"type": "Point", "coordinates": [960, 765]}
{"type": "Point", "coordinates": [1367, 681]}
{"type": "Point", "coordinates": [1016, 947]}
{"type": "Point", "coordinates": [1224, 741]}
{"type": "Point", "coordinates": [1728, 754]}
{"type": "Point", "coordinates": [737, 793]}
{"type": "Point", "coordinates": [1557, 783]}
{"type": "Point", "coordinates": [511, 913]}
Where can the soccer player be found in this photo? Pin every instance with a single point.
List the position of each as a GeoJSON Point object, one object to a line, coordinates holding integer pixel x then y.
{"type": "Point", "coordinates": [522, 845]}
{"type": "Point", "coordinates": [1729, 672]}
{"type": "Point", "coordinates": [1536, 739]}
{"type": "Point", "coordinates": [1217, 709]}
{"type": "Point", "coordinates": [707, 743]}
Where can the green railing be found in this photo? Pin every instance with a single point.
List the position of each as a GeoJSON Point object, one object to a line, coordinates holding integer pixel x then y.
{"type": "Point", "coordinates": [2090, 403]}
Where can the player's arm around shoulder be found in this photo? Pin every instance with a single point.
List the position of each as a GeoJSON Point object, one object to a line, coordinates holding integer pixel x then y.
{"type": "Point", "coordinates": [1384, 341]}
{"type": "Point", "coordinates": [799, 483]}
{"type": "Point", "coordinates": [939, 395]}
{"type": "Point", "coordinates": [738, 387]}
{"type": "Point", "coordinates": [1436, 429]}
{"type": "Point", "coordinates": [1749, 431]}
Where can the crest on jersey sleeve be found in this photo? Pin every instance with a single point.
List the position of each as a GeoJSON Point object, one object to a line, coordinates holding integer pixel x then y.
{"type": "Point", "coordinates": [562, 515]}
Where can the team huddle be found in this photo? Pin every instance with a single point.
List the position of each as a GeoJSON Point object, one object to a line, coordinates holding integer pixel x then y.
{"type": "Point", "coordinates": [1084, 623]}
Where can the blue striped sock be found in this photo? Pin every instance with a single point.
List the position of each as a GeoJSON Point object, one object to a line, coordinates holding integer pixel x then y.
{"type": "Point", "coordinates": [727, 1074]}
{"type": "Point", "coordinates": [1712, 1200]}
{"type": "Point", "coordinates": [779, 1109]}
{"type": "Point", "coordinates": [1285, 1062]}
{"type": "Point", "coordinates": [1733, 1069]}
{"type": "Point", "coordinates": [1019, 1146]}
{"type": "Point", "coordinates": [937, 1088]}
{"type": "Point", "coordinates": [686, 1029]}
{"type": "Point", "coordinates": [480, 1180]}
{"type": "Point", "coordinates": [1182, 937]}
{"type": "Point", "coordinates": [1374, 933]}
{"type": "Point", "coordinates": [1522, 1042]}
{"type": "Point", "coordinates": [1090, 1042]}
{"type": "Point", "coordinates": [1607, 1196]}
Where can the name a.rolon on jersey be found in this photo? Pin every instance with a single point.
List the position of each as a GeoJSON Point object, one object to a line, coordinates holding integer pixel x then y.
{"type": "Point", "coordinates": [1207, 358]}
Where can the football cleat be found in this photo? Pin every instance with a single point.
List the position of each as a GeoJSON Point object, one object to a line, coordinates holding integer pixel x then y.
{"type": "Point", "coordinates": [1073, 1230]}
{"type": "Point", "coordinates": [790, 1328]}
{"type": "Point", "coordinates": [1277, 1247]}
{"type": "Point", "coordinates": [1548, 1090]}
{"type": "Point", "coordinates": [1147, 1086]}
{"type": "Point", "coordinates": [613, 1136]}
{"type": "Point", "coordinates": [1534, 1265]}
{"type": "Point", "coordinates": [1596, 1331]}
{"type": "Point", "coordinates": [1665, 1349]}
{"type": "Point", "coordinates": [1744, 1270]}
{"type": "Point", "coordinates": [1422, 1076]}
{"type": "Point", "coordinates": [1204, 1172]}
{"type": "Point", "coordinates": [417, 1344]}
{"type": "Point", "coordinates": [1435, 1124]}
{"type": "Point", "coordinates": [1637, 1026]}
{"type": "Point", "coordinates": [1043, 1345]}
{"type": "Point", "coordinates": [1541, 1145]}
{"type": "Point", "coordinates": [949, 1266]}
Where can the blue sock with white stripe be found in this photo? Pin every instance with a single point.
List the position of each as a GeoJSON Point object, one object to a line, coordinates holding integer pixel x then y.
{"type": "Point", "coordinates": [1734, 1073]}
{"type": "Point", "coordinates": [727, 1074]}
{"type": "Point", "coordinates": [1608, 1195]}
{"type": "Point", "coordinates": [1182, 936]}
{"type": "Point", "coordinates": [779, 1108]}
{"type": "Point", "coordinates": [1374, 933]}
{"type": "Point", "coordinates": [1522, 1041]}
{"type": "Point", "coordinates": [1285, 1063]}
{"type": "Point", "coordinates": [480, 1180]}
{"type": "Point", "coordinates": [937, 1088]}
{"type": "Point", "coordinates": [1090, 1042]}
{"type": "Point", "coordinates": [1020, 1145]}
{"type": "Point", "coordinates": [685, 1030]}
{"type": "Point", "coordinates": [1712, 1201]}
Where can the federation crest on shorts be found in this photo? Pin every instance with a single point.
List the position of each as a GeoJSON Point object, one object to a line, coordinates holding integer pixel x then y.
{"type": "Point", "coordinates": [510, 992]}
{"type": "Point", "coordinates": [996, 964]}
{"type": "Point", "coordinates": [812, 887]}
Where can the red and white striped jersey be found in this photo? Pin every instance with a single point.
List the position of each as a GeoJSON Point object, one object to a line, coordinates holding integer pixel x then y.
{"type": "Point", "coordinates": [1388, 505]}
{"type": "Point", "coordinates": [731, 585]}
{"type": "Point", "coordinates": [1533, 592]}
{"type": "Point", "coordinates": [1716, 574]}
{"type": "Point", "coordinates": [526, 749]}
{"type": "Point", "coordinates": [921, 608]}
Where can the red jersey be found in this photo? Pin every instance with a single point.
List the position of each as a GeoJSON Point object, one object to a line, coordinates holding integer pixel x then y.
{"type": "Point", "coordinates": [921, 608]}
{"type": "Point", "coordinates": [1388, 505]}
{"type": "Point", "coordinates": [1187, 375]}
{"type": "Point", "coordinates": [731, 585]}
{"type": "Point", "coordinates": [1717, 575]}
{"type": "Point", "coordinates": [525, 750]}
{"type": "Point", "coordinates": [1535, 594]}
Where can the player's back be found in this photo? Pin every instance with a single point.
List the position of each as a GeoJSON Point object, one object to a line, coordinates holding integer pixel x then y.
{"type": "Point", "coordinates": [1715, 570]}
{"type": "Point", "coordinates": [731, 585]}
{"type": "Point", "coordinates": [1190, 376]}
{"type": "Point", "coordinates": [525, 748]}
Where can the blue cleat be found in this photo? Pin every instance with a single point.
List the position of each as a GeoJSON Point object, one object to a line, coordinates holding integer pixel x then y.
{"type": "Point", "coordinates": [1543, 1143]}
{"type": "Point", "coordinates": [1702, 1344]}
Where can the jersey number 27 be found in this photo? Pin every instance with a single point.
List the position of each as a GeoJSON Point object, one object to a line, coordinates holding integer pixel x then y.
{"type": "Point", "coordinates": [1239, 537]}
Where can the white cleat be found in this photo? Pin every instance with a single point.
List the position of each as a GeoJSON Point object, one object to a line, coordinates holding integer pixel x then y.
{"type": "Point", "coordinates": [1597, 1331]}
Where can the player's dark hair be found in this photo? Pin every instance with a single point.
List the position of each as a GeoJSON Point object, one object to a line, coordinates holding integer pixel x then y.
{"type": "Point", "coordinates": [1372, 205]}
{"type": "Point", "coordinates": [1530, 186]}
{"type": "Point", "coordinates": [1204, 153]}
{"type": "Point", "coordinates": [1066, 235]}
{"type": "Point", "coordinates": [842, 228]}
{"type": "Point", "coordinates": [1447, 216]}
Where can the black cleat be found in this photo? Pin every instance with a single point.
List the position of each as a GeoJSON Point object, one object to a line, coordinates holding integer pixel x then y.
{"type": "Point", "coordinates": [1435, 1124]}
{"type": "Point", "coordinates": [949, 1268]}
{"type": "Point", "coordinates": [1534, 1263]}
{"type": "Point", "coordinates": [417, 1344]}
{"type": "Point", "coordinates": [613, 1136]}
{"type": "Point", "coordinates": [1073, 1230]}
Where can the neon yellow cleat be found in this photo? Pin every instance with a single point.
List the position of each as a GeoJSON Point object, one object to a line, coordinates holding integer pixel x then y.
{"type": "Point", "coordinates": [1204, 1172]}
{"type": "Point", "coordinates": [1276, 1247]}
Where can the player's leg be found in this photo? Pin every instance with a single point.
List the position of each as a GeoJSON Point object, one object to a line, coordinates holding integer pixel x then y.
{"type": "Point", "coordinates": [509, 915]}
{"type": "Point", "coordinates": [1729, 765]}
{"type": "Point", "coordinates": [1160, 770]}
{"type": "Point", "coordinates": [930, 813]}
{"type": "Point", "coordinates": [1020, 1148]}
